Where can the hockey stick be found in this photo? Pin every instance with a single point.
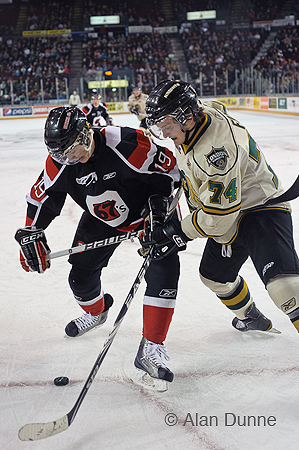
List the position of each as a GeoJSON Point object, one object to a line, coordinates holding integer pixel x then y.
{"type": "Point", "coordinates": [96, 244]}
{"type": "Point", "coordinates": [37, 431]}
{"type": "Point", "coordinates": [287, 196]}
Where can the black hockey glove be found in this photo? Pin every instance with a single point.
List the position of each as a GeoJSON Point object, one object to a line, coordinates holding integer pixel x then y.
{"type": "Point", "coordinates": [34, 249]}
{"type": "Point", "coordinates": [166, 239]}
{"type": "Point", "coordinates": [135, 110]}
{"type": "Point", "coordinates": [154, 215]}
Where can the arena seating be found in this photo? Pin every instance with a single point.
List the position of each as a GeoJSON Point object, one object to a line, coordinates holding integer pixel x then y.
{"type": "Point", "coordinates": [37, 65]}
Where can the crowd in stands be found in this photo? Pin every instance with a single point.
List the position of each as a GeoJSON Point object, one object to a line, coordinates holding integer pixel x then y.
{"type": "Point", "coordinates": [220, 52]}
{"type": "Point", "coordinates": [135, 12]}
{"type": "Point", "coordinates": [212, 53]}
{"type": "Point", "coordinates": [31, 91]}
{"type": "Point", "coordinates": [282, 59]}
{"type": "Point", "coordinates": [24, 62]}
{"type": "Point", "coordinates": [35, 56]}
{"type": "Point", "coordinates": [8, 18]}
{"type": "Point", "coordinates": [284, 53]}
{"type": "Point", "coordinates": [265, 10]}
{"type": "Point", "coordinates": [181, 8]}
{"type": "Point", "coordinates": [147, 54]}
{"type": "Point", "coordinates": [51, 15]}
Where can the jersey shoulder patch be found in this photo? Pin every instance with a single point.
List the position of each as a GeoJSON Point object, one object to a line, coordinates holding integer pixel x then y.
{"type": "Point", "coordinates": [52, 168]}
{"type": "Point", "coordinates": [52, 171]}
{"type": "Point", "coordinates": [130, 144]}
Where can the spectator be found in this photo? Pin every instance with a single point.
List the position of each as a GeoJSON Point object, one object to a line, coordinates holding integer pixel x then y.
{"type": "Point", "coordinates": [74, 99]}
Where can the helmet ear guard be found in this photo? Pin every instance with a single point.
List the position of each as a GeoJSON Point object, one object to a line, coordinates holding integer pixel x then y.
{"type": "Point", "coordinates": [87, 139]}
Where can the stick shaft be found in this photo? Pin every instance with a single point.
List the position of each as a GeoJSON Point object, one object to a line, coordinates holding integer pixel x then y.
{"type": "Point", "coordinates": [287, 196]}
{"type": "Point", "coordinates": [96, 244]}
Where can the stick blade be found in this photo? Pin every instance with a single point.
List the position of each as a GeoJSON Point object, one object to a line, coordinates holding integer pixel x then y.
{"type": "Point", "coordinates": [36, 431]}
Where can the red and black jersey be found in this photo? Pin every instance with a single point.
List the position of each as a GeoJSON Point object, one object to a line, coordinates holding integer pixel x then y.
{"type": "Point", "coordinates": [113, 186]}
{"type": "Point", "coordinates": [94, 114]}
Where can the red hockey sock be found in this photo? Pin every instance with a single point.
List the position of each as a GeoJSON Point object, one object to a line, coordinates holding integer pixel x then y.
{"type": "Point", "coordinates": [156, 322]}
{"type": "Point", "coordinates": [95, 307]}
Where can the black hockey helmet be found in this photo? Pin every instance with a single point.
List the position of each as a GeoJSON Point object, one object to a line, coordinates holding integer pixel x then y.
{"type": "Point", "coordinates": [171, 99]}
{"type": "Point", "coordinates": [95, 96]}
{"type": "Point", "coordinates": [65, 128]}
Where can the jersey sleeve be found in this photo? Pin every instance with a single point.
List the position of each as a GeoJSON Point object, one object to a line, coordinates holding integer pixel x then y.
{"type": "Point", "coordinates": [105, 112]}
{"type": "Point", "coordinates": [45, 199]}
{"type": "Point", "coordinates": [131, 102]}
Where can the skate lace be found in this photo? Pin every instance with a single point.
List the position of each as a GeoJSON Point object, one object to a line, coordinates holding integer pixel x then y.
{"type": "Point", "coordinates": [154, 352]}
{"type": "Point", "coordinates": [85, 321]}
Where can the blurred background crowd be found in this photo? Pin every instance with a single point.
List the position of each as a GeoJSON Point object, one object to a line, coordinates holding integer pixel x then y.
{"type": "Point", "coordinates": [48, 49]}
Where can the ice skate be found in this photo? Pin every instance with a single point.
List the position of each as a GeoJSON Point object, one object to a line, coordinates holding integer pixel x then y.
{"type": "Point", "coordinates": [255, 320]}
{"type": "Point", "coordinates": [86, 322]}
{"type": "Point", "coordinates": [151, 372]}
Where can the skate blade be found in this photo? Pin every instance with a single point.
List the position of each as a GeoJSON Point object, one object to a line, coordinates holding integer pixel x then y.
{"type": "Point", "coordinates": [143, 379]}
{"type": "Point", "coordinates": [273, 330]}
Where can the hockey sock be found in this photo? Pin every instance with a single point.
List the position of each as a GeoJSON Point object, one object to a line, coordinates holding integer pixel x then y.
{"type": "Point", "coordinates": [238, 300]}
{"type": "Point", "coordinates": [284, 291]}
{"type": "Point", "coordinates": [294, 318]}
{"type": "Point", "coordinates": [156, 322]}
{"type": "Point", "coordinates": [95, 306]}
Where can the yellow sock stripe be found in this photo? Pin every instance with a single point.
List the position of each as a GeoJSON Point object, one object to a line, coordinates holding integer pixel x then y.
{"type": "Point", "coordinates": [296, 324]}
{"type": "Point", "coordinates": [239, 300]}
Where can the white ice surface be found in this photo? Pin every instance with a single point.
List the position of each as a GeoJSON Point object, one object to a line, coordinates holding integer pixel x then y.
{"type": "Point", "coordinates": [217, 369]}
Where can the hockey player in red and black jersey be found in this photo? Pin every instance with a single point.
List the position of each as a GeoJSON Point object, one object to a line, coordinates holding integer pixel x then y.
{"type": "Point", "coordinates": [111, 173]}
{"type": "Point", "coordinates": [95, 110]}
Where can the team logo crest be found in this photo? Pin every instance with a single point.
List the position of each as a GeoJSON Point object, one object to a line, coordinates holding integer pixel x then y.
{"type": "Point", "coordinates": [106, 210]}
{"type": "Point", "coordinates": [108, 207]}
{"type": "Point", "coordinates": [217, 158]}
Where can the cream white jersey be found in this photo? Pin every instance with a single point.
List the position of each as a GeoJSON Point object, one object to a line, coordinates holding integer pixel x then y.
{"type": "Point", "coordinates": [134, 101]}
{"type": "Point", "coordinates": [224, 173]}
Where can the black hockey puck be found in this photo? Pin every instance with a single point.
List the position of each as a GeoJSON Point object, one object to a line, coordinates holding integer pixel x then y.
{"type": "Point", "coordinates": [61, 381]}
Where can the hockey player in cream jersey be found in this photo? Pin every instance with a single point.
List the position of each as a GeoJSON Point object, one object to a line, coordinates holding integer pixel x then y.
{"type": "Point", "coordinates": [224, 173]}
{"type": "Point", "coordinates": [231, 192]}
{"type": "Point", "coordinates": [136, 105]}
